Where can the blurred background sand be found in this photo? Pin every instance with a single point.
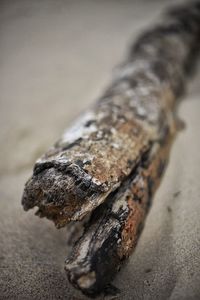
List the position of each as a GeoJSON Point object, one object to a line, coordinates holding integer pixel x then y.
{"type": "Point", "coordinates": [55, 59]}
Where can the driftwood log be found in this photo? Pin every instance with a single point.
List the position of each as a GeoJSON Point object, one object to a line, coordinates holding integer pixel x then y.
{"type": "Point", "coordinates": [110, 162]}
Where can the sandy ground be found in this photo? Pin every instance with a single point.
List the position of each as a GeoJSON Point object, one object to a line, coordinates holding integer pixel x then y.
{"type": "Point", "coordinates": [55, 58]}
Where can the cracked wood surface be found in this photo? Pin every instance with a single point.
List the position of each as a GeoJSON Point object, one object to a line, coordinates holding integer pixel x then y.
{"type": "Point", "coordinates": [115, 146]}
{"type": "Point", "coordinates": [112, 232]}
{"type": "Point", "coordinates": [34, 72]}
{"type": "Point", "coordinates": [101, 149]}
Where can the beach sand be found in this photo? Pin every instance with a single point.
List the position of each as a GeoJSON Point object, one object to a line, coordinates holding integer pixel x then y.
{"type": "Point", "coordinates": [55, 59]}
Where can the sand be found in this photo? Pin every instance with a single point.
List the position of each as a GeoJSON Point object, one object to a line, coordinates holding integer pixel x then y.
{"type": "Point", "coordinates": [55, 59]}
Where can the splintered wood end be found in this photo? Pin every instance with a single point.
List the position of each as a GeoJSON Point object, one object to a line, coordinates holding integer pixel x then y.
{"type": "Point", "coordinates": [62, 193]}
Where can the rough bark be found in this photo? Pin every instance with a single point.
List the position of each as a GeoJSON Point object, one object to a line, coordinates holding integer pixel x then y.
{"type": "Point", "coordinates": [102, 148]}
{"type": "Point", "coordinates": [113, 229]}
{"type": "Point", "coordinates": [113, 157]}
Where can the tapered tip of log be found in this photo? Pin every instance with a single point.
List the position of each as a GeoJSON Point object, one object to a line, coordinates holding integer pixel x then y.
{"type": "Point", "coordinates": [94, 259]}
{"type": "Point", "coordinates": [62, 192]}
{"type": "Point", "coordinates": [92, 273]}
{"type": "Point", "coordinates": [85, 281]}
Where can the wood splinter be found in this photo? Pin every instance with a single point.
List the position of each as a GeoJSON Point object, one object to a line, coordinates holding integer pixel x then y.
{"type": "Point", "coordinates": [110, 162]}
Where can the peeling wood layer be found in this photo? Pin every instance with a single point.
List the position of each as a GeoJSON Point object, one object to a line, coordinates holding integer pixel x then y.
{"type": "Point", "coordinates": [101, 149]}
{"type": "Point", "coordinates": [110, 162]}
{"type": "Point", "coordinates": [113, 229]}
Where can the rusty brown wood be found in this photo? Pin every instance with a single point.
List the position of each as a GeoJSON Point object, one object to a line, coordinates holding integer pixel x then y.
{"type": "Point", "coordinates": [113, 229]}
{"type": "Point", "coordinates": [114, 155]}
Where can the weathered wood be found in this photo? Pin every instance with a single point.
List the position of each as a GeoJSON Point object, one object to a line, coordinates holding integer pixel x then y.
{"type": "Point", "coordinates": [113, 229]}
{"type": "Point", "coordinates": [102, 148]}
{"type": "Point", "coordinates": [113, 157]}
